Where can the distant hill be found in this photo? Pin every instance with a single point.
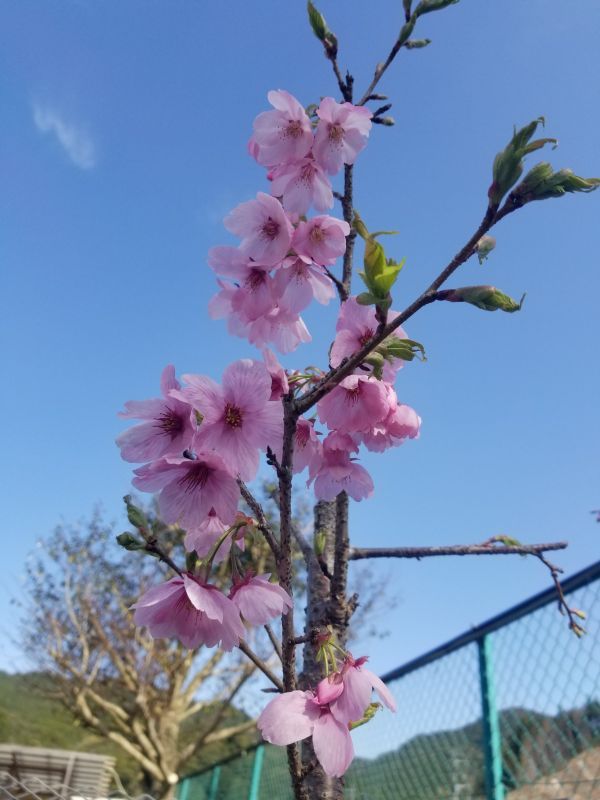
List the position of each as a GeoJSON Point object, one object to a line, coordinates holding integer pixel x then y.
{"type": "Point", "coordinates": [31, 714]}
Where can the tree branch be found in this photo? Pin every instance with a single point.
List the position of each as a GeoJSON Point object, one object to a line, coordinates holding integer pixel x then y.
{"type": "Point", "coordinates": [274, 641]}
{"type": "Point", "coordinates": [358, 553]}
{"type": "Point", "coordinates": [334, 376]}
{"type": "Point", "coordinates": [247, 651]}
{"type": "Point", "coordinates": [263, 523]}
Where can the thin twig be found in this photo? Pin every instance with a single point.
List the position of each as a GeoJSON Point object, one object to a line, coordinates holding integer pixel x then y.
{"type": "Point", "coordinates": [257, 661]}
{"type": "Point", "coordinates": [358, 553]}
{"type": "Point", "coordinates": [572, 613]}
{"type": "Point", "coordinates": [263, 522]}
{"type": "Point", "coordinates": [274, 640]}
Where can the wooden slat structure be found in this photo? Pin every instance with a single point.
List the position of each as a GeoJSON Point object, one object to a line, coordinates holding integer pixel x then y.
{"type": "Point", "coordinates": [38, 773]}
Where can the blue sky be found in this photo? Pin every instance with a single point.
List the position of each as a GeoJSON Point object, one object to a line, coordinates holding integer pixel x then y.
{"type": "Point", "coordinates": [122, 146]}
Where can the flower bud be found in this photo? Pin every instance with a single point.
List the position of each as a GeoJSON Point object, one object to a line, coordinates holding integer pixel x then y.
{"type": "Point", "coordinates": [508, 164]}
{"type": "Point", "coordinates": [129, 542]}
{"type": "Point", "coordinates": [484, 247]}
{"type": "Point", "coordinates": [416, 44]}
{"type": "Point", "coordinates": [426, 6]}
{"type": "Point", "coordinates": [487, 298]}
{"type": "Point", "coordinates": [542, 182]}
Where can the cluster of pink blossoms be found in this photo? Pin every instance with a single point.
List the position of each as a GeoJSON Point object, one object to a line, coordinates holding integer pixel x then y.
{"type": "Point", "coordinates": [197, 441]}
{"type": "Point", "coordinates": [283, 258]}
{"type": "Point", "coordinates": [325, 714]}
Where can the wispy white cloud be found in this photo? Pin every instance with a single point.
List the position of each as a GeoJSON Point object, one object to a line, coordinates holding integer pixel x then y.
{"type": "Point", "coordinates": [75, 141]}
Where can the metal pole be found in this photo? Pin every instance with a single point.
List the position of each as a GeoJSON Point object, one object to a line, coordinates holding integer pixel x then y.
{"type": "Point", "coordinates": [184, 789]}
{"type": "Point", "coordinates": [256, 773]}
{"type": "Point", "coordinates": [492, 744]}
{"type": "Point", "coordinates": [214, 783]}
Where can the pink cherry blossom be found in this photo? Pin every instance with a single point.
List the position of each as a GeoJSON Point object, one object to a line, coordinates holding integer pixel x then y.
{"type": "Point", "coordinates": [168, 426]}
{"type": "Point", "coordinates": [342, 133]}
{"type": "Point", "coordinates": [238, 417]}
{"type": "Point", "coordinates": [356, 404]}
{"type": "Point", "coordinates": [280, 327]}
{"type": "Point", "coordinates": [321, 239]}
{"type": "Point", "coordinates": [204, 537]}
{"type": "Point", "coordinates": [402, 423]}
{"type": "Point", "coordinates": [258, 600]}
{"type": "Point", "coordinates": [356, 324]}
{"type": "Point", "coordinates": [284, 134]}
{"type": "Point", "coordinates": [308, 450]}
{"type": "Point", "coordinates": [264, 228]}
{"type": "Point", "coordinates": [300, 185]}
{"type": "Point", "coordinates": [254, 293]}
{"type": "Point", "coordinates": [293, 716]}
{"type": "Point", "coordinates": [279, 379]}
{"type": "Point", "coordinates": [357, 683]}
{"type": "Point", "coordinates": [298, 282]}
{"type": "Point", "coordinates": [339, 473]}
{"type": "Point", "coordinates": [195, 613]}
{"type": "Point", "coordinates": [190, 488]}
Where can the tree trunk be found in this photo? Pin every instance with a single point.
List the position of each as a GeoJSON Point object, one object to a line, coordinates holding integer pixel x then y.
{"type": "Point", "coordinates": [321, 612]}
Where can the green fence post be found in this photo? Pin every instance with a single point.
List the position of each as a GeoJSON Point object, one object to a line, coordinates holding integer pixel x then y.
{"type": "Point", "coordinates": [214, 783]}
{"type": "Point", "coordinates": [256, 772]}
{"type": "Point", "coordinates": [184, 789]}
{"type": "Point", "coordinates": [492, 743]}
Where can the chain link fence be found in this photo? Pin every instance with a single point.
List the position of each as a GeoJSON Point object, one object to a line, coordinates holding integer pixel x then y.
{"type": "Point", "coordinates": [509, 710]}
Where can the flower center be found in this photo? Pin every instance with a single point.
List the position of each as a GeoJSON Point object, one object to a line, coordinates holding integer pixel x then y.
{"type": "Point", "coordinates": [195, 477]}
{"type": "Point", "coordinates": [307, 173]}
{"type": "Point", "coordinates": [317, 235]}
{"type": "Point", "coordinates": [256, 279]}
{"type": "Point", "coordinates": [169, 422]}
{"type": "Point", "coordinates": [233, 416]}
{"type": "Point", "coordinates": [366, 337]}
{"type": "Point", "coordinates": [294, 129]}
{"type": "Point", "coordinates": [336, 134]}
{"type": "Point", "coordinates": [270, 228]}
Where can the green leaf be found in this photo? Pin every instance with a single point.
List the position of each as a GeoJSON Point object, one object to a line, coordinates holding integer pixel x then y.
{"type": "Point", "coordinates": [541, 183]}
{"type": "Point", "coordinates": [365, 298]}
{"type": "Point", "coordinates": [405, 349]}
{"type": "Point", "coordinates": [370, 712]}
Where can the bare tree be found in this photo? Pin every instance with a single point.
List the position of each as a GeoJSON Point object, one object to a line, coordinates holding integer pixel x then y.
{"type": "Point", "coordinates": [135, 691]}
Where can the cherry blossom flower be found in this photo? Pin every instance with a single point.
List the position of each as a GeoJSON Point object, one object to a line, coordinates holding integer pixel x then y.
{"type": "Point", "coordinates": [356, 324]}
{"type": "Point", "coordinates": [258, 600]}
{"type": "Point", "coordinates": [338, 472]}
{"type": "Point", "coordinates": [356, 404]}
{"type": "Point", "coordinates": [321, 239]}
{"type": "Point", "coordinates": [284, 134]}
{"type": "Point", "coordinates": [308, 450]}
{"type": "Point", "coordinates": [254, 293]}
{"type": "Point", "coordinates": [350, 703]}
{"type": "Point", "coordinates": [238, 417]}
{"type": "Point", "coordinates": [168, 427]}
{"type": "Point", "coordinates": [342, 133]}
{"type": "Point", "coordinates": [298, 282]}
{"type": "Point", "coordinates": [279, 379]}
{"type": "Point", "coordinates": [300, 185]}
{"type": "Point", "coordinates": [190, 488]}
{"type": "Point", "coordinates": [204, 537]}
{"type": "Point", "coordinates": [264, 228]}
{"type": "Point", "coordinates": [195, 613]}
{"type": "Point", "coordinates": [280, 327]}
{"type": "Point", "coordinates": [402, 423]}
{"type": "Point", "coordinates": [293, 716]}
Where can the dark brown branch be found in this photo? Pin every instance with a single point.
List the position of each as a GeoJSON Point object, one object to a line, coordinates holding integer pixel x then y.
{"type": "Point", "coordinates": [341, 550]}
{"type": "Point", "coordinates": [358, 553]}
{"type": "Point", "coordinates": [274, 640]}
{"type": "Point", "coordinates": [257, 661]}
{"type": "Point", "coordinates": [263, 522]}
